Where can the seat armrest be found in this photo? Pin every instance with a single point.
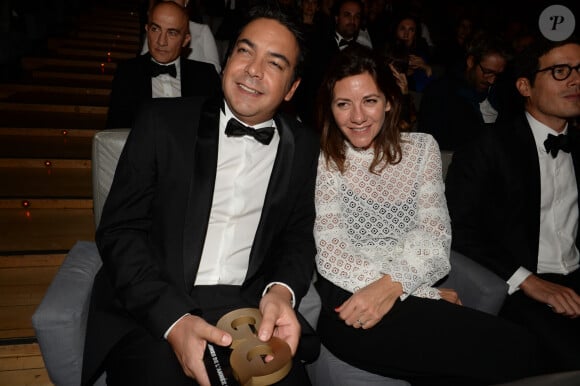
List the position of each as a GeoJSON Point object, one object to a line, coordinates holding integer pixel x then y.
{"type": "Point", "coordinates": [61, 318]}
{"type": "Point", "coordinates": [107, 147]}
{"type": "Point", "coordinates": [477, 286]}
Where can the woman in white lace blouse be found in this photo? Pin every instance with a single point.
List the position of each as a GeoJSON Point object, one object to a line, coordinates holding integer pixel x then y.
{"type": "Point", "coordinates": [383, 236]}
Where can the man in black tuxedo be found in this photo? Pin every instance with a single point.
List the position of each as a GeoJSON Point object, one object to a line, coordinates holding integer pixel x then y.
{"type": "Point", "coordinates": [455, 106]}
{"type": "Point", "coordinates": [323, 48]}
{"type": "Point", "coordinates": [513, 200]}
{"type": "Point", "coordinates": [162, 72]}
{"type": "Point", "coordinates": [202, 219]}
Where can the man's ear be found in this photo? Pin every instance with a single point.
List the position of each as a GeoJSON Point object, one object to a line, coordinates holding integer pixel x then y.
{"type": "Point", "coordinates": [186, 40]}
{"type": "Point", "coordinates": [524, 87]}
{"type": "Point", "coordinates": [470, 62]}
{"type": "Point", "coordinates": [292, 90]}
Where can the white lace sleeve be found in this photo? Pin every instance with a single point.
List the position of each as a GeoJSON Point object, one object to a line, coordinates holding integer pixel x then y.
{"type": "Point", "coordinates": [395, 223]}
{"type": "Point", "coordinates": [424, 250]}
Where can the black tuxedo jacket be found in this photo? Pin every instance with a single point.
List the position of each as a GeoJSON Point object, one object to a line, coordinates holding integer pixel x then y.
{"type": "Point", "coordinates": [493, 195]}
{"type": "Point", "coordinates": [132, 87]}
{"type": "Point", "coordinates": [448, 113]}
{"type": "Point", "coordinates": [155, 219]}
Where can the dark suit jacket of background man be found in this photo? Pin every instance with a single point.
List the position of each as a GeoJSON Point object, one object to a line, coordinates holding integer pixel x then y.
{"type": "Point", "coordinates": [450, 113]}
{"type": "Point", "coordinates": [157, 213]}
{"type": "Point", "coordinates": [132, 86]}
{"type": "Point", "coordinates": [496, 221]}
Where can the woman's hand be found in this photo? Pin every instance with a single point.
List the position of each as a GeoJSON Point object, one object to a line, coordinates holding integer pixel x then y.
{"type": "Point", "coordinates": [366, 307]}
{"type": "Point", "coordinates": [450, 296]}
{"type": "Point", "coordinates": [401, 79]}
{"type": "Point", "coordinates": [416, 62]}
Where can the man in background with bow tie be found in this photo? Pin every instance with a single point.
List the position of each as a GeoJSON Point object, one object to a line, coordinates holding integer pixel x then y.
{"type": "Point", "coordinates": [211, 210]}
{"type": "Point", "coordinates": [512, 195]}
{"type": "Point", "coordinates": [161, 73]}
{"type": "Point", "coordinates": [454, 106]}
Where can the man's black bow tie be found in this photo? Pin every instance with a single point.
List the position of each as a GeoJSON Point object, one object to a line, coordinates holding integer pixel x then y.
{"type": "Point", "coordinates": [555, 143]}
{"type": "Point", "coordinates": [157, 69]}
{"type": "Point", "coordinates": [237, 129]}
{"type": "Point", "coordinates": [344, 43]}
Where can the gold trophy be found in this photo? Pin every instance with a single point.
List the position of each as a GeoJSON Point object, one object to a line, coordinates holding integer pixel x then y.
{"type": "Point", "coordinates": [247, 358]}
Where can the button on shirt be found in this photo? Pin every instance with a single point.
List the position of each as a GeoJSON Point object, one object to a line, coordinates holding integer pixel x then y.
{"type": "Point", "coordinates": [243, 172]}
{"type": "Point", "coordinates": [557, 252]}
{"type": "Point", "coordinates": [166, 86]}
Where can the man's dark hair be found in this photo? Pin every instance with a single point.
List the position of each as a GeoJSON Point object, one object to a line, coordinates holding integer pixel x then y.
{"type": "Point", "coordinates": [528, 61]}
{"type": "Point", "coordinates": [485, 43]}
{"type": "Point", "coordinates": [339, 3]}
{"type": "Point", "coordinates": [274, 12]}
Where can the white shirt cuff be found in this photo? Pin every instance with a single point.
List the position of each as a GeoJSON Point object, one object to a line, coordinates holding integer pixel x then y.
{"type": "Point", "coordinates": [517, 278]}
{"type": "Point", "coordinates": [282, 284]}
{"type": "Point", "coordinates": [173, 325]}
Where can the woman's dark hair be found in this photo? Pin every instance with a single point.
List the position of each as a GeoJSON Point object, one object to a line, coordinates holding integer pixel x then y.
{"type": "Point", "coordinates": [356, 60]}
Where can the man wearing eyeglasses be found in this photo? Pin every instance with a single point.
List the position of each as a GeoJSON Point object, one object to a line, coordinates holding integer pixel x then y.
{"type": "Point", "coordinates": [513, 200]}
{"type": "Point", "coordinates": [455, 106]}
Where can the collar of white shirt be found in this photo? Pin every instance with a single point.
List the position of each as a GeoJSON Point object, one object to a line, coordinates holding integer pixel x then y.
{"type": "Point", "coordinates": [541, 131]}
{"type": "Point", "coordinates": [227, 114]}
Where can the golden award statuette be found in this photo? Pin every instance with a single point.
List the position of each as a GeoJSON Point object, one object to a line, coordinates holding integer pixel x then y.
{"type": "Point", "coordinates": [247, 357]}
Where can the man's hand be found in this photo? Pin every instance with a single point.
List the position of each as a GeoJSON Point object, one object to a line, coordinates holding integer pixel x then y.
{"type": "Point", "coordinates": [279, 318]}
{"type": "Point", "coordinates": [366, 307]}
{"type": "Point", "coordinates": [562, 300]}
{"type": "Point", "coordinates": [188, 338]}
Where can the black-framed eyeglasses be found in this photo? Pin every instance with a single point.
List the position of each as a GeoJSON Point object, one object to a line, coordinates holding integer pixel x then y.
{"type": "Point", "coordinates": [487, 72]}
{"type": "Point", "coordinates": [560, 71]}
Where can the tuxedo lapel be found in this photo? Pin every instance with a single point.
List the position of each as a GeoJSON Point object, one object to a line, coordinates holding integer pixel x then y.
{"type": "Point", "coordinates": [144, 76]}
{"type": "Point", "coordinates": [186, 78]}
{"type": "Point", "coordinates": [527, 154]}
{"type": "Point", "coordinates": [277, 189]}
{"type": "Point", "coordinates": [201, 188]}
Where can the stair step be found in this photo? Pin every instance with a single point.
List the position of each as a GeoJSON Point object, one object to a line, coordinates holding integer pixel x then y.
{"type": "Point", "coordinates": [100, 55]}
{"type": "Point", "coordinates": [69, 65]}
{"type": "Point", "coordinates": [44, 178]}
{"type": "Point", "coordinates": [28, 377]}
{"type": "Point", "coordinates": [108, 36]}
{"type": "Point", "coordinates": [46, 143]}
{"type": "Point", "coordinates": [48, 108]}
{"type": "Point", "coordinates": [34, 230]}
{"type": "Point", "coordinates": [46, 203]}
{"type": "Point", "coordinates": [73, 80]}
{"type": "Point", "coordinates": [47, 94]}
{"type": "Point", "coordinates": [24, 280]}
{"type": "Point", "coordinates": [129, 29]}
{"type": "Point", "coordinates": [22, 364]}
{"type": "Point", "coordinates": [52, 116]}
{"type": "Point", "coordinates": [54, 43]}
{"type": "Point", "coordinates": [123, 21]}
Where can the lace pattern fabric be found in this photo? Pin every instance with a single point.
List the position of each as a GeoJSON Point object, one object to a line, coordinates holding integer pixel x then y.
{"type": "Point", "coordinates": [395, 223]}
